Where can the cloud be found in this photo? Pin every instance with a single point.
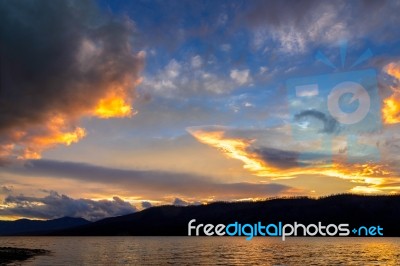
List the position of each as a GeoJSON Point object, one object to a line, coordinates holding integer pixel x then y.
{"type": "Point", "coordinates": [146, 204]}
{"type": "Point", "coordinates": [179, 202]}
{"type": "Point", "coordinates": [281, 164]}
{"type": "Point", "coordinates": [55, 205]}
{"type": "Point", "coordinates": [155, 184]}
{"type": "Point", "coordinates": [330, 125]}
{"type": "Point", "coordinates": [196, 61]}
{"type": "Point", "coordinates": [232, 147]}
{"type": "Point", "coordinates": [6, 190]}
{"type": "Point", "coordinates": [241, 77]}
{"type": "Point", "coordinates": [298, 26]}
{"type": "Point", "coordinates": [278, 158]}
{"type": "Point", "coordinates": [259, 160]}
{"type": "Point", "coordinates": [61, 62]}
{"type": "Point", "coordinates": [391, 105]}
{"type": "Point", "coordinates": [293, 25]}
{"type": "Point", "coordinates": [226, 47]}
{"type": "Point", "coordinates": [187, 78]}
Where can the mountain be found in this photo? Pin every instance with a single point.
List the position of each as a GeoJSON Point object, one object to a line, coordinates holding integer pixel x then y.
{"type": "Point", "coordinates": [36, 227]}
{"type": "Point", "coordinates": [355, 210]}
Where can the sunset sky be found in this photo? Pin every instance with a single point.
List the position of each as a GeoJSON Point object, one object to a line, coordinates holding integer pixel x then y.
{"type": "Point", "coordinates": [110, 107]}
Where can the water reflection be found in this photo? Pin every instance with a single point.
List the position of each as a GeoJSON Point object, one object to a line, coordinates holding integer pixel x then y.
{"type": "Point", "coordinates": [210, 251]}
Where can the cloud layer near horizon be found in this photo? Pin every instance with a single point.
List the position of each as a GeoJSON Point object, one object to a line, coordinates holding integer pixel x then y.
{"type": "Point", "coordinates": [153, 184]}
{"type": "Point", "coordinates": [55, 205]}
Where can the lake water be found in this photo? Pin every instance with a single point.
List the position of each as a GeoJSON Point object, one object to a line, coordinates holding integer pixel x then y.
{"type": "Point", "coordinates": [209, 250]}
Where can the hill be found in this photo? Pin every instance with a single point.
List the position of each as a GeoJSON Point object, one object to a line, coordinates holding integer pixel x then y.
{"type": "Point", "coordinates": [36, 227]}
{"type": "Point", "coordinates": [356, 210]}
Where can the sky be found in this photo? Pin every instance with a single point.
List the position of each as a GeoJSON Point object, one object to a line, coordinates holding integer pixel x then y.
{"type": "Point", "coordinates": [111, 107]}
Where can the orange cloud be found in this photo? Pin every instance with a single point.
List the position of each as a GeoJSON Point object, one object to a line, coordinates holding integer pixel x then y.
{"type": "Point", "coordinates": [391, 105]}
{"type": "Point", "coordinates": [393, 70]}
{"type": "Point", "coordinates": [113, 106]}
{"type": "Point", "coordinates": [60, 129]}
{"type": "Point", "coordinates": [233, 148]}
{"type": "Point", "coordinates": [32, 141]}
{"type": "Point", "coordinates": [391, 109]}
{"type": "Point", "coordinates": [117, 103]}
{"type": "Point", "coordinates": [84, 70]}
{"type": "Point", "coordinates": [372, 176]}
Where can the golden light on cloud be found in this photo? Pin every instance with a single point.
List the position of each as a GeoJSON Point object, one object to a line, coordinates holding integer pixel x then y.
{"type": "Point", "coordinates": [237, 148]}
{"type": "Point", "coordinates": [96, 76]}
{"type": "Point", "coordinates": [61, 129]}
{"type": "Point", "coordinates": [56, 131]}
{"type": "Point", "coordinates": [366, 172]}
{"type": "Point", "coordinates": [378, 185]}
{"type": "Point", "coordinates": [118, 99]}
{"type": "Point", "coordinates": [232, 148]}
{"type": "Point", "coordinates": [365, 190]}
{"type": "Point", "coordinates": [391, 105]}
{"type": "Point", "coordinates": [373, 175]}
{"type": "Point", "coordinates": [393, 70]}
{"type": "Point", "coordinates": [114, 105]}
{"type": "Point", "coordinates": [391, 109]}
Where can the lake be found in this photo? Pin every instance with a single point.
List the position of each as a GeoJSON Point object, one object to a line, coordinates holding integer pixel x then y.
{"type": "Point", "coordinates": [209, 250]}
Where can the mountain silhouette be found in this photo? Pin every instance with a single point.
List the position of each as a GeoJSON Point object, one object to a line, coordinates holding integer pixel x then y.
{"type": "Point", "coordinates": [355, 210]}
{"type": "Point", "coordinates": [37, 227]}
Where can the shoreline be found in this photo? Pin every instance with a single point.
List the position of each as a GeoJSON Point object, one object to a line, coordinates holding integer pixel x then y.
{"type": "Point", "coordinates": [11, 254]}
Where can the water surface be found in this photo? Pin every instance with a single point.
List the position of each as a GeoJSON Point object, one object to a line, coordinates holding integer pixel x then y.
{"type": "Point", "coordinates": [209, 250]}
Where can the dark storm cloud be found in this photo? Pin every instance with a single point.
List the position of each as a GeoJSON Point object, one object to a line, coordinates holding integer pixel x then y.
{"type": "Point", "coordinates": [330, 124]}
{"type": "Point", "coordinates": [58, 58]}
{"type": "Point", "coordinates": [283, 159]}
{"type": "Point", "coordinates": [146, 204]}
{"type": "Point", "coordinates": [278, 158]}
{"type": "Point", "coordinates": [55, 205]}
{"type": "Point", "coordinates": [150, 182]}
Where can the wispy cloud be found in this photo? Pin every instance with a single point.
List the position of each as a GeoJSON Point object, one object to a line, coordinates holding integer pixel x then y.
{"type": "Point", "coordinates": [191, 78]}
{"type": "Point", "coordinates": [241, 77]}
{"type": "Point", "coordinates": [297, 27]}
